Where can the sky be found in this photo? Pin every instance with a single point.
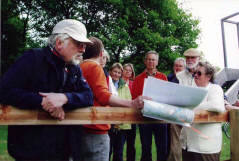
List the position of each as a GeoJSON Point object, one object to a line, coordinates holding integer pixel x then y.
{"type": "Point", "coordinates": [210, 13]}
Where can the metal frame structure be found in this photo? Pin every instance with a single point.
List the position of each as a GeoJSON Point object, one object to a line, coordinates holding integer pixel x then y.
{"type": "Point", "coordinates": [223, 20]}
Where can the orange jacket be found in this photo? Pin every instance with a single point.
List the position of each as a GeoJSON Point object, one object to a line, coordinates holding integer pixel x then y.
{"type": "Point", "coordinates": [96, 79]}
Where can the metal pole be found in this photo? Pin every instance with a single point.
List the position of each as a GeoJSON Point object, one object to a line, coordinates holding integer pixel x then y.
{"type": "Point", "coordinates": [238, 34]}
{"type": "Point", "coordinates": [230, 16]}
{"type": "Point", "coordinates": [229, 21]}
{"type": "Point", "coordinates": [224, 44]}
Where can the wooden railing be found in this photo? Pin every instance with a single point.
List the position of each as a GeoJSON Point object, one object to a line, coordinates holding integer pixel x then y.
{"type": "Point", "coordinates": [114, 115]}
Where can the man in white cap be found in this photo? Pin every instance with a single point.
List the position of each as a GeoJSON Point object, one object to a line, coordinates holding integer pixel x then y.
{"type": "Point", "coordinates": [192, 58]}
{"type": "Point", "coordinates": [46, 79]}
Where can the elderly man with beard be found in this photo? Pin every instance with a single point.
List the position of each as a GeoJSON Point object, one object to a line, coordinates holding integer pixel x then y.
{"type": "Point", "coordinates": [184, 77]}
{"type": "Point", "coordinates": [192, 58]}
{"type": "Point", "coordinates": [46, 78]}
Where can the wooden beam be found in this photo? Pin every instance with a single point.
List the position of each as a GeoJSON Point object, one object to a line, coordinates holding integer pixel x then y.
{"type": "Point", "coordinates": [234, 120]}
{"type": "Point", "coordinates": [92, 115]}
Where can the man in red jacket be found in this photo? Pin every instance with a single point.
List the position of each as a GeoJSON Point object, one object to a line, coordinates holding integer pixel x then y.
{"type": "Point", "coordinates": [146, 131]}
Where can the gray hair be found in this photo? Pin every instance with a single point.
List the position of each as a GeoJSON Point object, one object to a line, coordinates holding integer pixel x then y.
{"type": "Point", "coordinates": [151, 52]}
{"type": "Point", "coordinates": [105, 53]}
{"type": "Point", "coordinates": [209, 69]}
{"type": "Point", "coordinates": [52, 39]}
{"type": "Point", "coordinates": [180, 59]}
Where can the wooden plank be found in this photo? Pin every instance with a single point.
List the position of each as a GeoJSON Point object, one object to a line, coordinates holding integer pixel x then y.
{"type": "Point", "coordinates": [92, 115]}
{"type": "Point", "coordinates": [205, 116]}
{"type": "Point", "coordinates": [234, 120]}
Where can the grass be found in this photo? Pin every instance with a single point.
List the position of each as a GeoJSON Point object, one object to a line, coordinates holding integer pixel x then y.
{"type": "Point", "coordinates": [225, 154]}
{"type": "Point", "coordinates": [3, 145]}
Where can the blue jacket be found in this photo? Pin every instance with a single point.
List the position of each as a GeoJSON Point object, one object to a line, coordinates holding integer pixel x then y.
{"type": "Point", "coordinates": [172, 78]}
{"type": "Point", "coordinates": [39, 70]}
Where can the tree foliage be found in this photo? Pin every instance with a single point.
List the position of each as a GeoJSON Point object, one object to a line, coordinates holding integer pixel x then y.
{"type": "Point", "coordinates": [128, 28]}
{"type": "Point", "coordinates": [12, 34]}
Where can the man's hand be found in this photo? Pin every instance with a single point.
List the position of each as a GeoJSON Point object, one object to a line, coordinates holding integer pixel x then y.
{"type": "Point", "coordinates": [58, 113]}
{"type": "Point", "coordinates": [51, 101]}
{"type": "Point", "coordinates": [139, 101]}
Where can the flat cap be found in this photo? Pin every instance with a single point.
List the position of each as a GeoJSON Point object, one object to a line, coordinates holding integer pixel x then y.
{"type": "Point", "coordinates": [192, 52]}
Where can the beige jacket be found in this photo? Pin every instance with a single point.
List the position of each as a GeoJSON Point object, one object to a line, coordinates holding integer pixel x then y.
{"type": "Point", "coordinates": [185, 78]}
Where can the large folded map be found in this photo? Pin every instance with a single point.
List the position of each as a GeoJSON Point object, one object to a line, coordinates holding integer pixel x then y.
{"type": "Point", "coordinates": [171, 102]}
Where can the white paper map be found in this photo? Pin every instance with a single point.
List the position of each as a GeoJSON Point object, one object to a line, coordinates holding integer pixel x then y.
{"type": "Point", "coordinates": [169, 113]}
{"type": "Point", "coordinates": [170, 101]}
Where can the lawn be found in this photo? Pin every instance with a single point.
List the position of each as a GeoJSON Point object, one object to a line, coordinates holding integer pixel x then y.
{"type": "Point", "coordinates": [225, 155]}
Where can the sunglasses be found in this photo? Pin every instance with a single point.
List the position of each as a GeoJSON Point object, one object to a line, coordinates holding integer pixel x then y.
{"type": "Point", "coordinates": [199, 73]}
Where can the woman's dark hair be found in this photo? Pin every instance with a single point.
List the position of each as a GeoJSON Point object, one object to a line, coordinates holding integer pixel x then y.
{"type": "Point", "coordinates": [209, 69]}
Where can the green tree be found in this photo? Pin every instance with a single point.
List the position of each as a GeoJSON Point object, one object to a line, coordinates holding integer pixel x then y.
{"type": "Point", "coordinates": [11, 38]}
{"type": "Point", "coordinates": [128, 28]}
{"type": "Point", "coordinates": [15, 30]}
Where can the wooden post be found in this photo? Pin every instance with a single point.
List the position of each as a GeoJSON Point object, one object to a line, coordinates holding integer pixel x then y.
{"type": "Point", "coordinates": [234, 120]}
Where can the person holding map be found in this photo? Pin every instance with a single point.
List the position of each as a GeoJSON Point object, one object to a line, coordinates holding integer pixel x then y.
{"type": "Point", "coordinates": [203, 142]}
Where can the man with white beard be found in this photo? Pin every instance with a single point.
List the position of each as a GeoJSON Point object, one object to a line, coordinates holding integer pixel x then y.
{"type": "Point", "coordinates": [184, 77]}
{"type": "Point", "coordinates": [192, 58]}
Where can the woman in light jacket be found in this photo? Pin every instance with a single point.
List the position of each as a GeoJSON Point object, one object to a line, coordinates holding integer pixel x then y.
{"type": "Point", "coordinates": [202, 142]}
{"type": "Point", "coordinates": [118, 133]}
{"type": "Point", "coordinates": [128, 76]}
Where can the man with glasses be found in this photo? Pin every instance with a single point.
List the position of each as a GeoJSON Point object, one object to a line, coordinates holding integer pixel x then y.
{"type": "Point", "coordinates": [47, 79]}
{"type": "Point", "coordinates": [147, 130]}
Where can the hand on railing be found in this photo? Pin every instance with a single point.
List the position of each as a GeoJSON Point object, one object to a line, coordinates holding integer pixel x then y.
{"type": "Point", "coordinates": [53, 103]}
{"type": "Point", "coordinates": [58, 113]}
{"type": "Point", "coordinates": [139, 101]}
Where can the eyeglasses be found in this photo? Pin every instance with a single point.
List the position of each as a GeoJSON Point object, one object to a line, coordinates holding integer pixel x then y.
{"type": "Point", "coordinates": [191, 57]}
{"type": "Point", "coordinates": [151, 60]}
{"type": "Point", "coordinates": [79, 44]}
{"type": "Point", "coordinates": [199, 73]}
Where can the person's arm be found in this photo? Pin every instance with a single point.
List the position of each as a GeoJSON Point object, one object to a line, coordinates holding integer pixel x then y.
{"type": "Point", "coordinates": [81, 96]}
{"type": "Point", "coordinates": [215, 100]}
{"type": "Point", "coordinates": [78, 95]}
{"type": "Point", "coordinates": [14, 84]}
{"type": "Point", "coordinates": [236, 103]}
{"type": "Point", "coordinates": [136, 103]}
{"type": "Point", "coordinates": [228, 106]}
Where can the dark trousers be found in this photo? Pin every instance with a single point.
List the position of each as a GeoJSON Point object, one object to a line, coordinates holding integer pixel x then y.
{"type": "Point", "coordinates": [191, 156]}
{"type": "Point", "coordinates": [71, 147]}
{"type": "Point", "coordinates": [117, 141]}
{"type": "Point", "coordinates": [160, 132]}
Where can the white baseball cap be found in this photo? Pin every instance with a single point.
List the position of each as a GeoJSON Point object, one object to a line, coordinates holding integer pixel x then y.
{"type": "Point", "coordinates": [73, 28]}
